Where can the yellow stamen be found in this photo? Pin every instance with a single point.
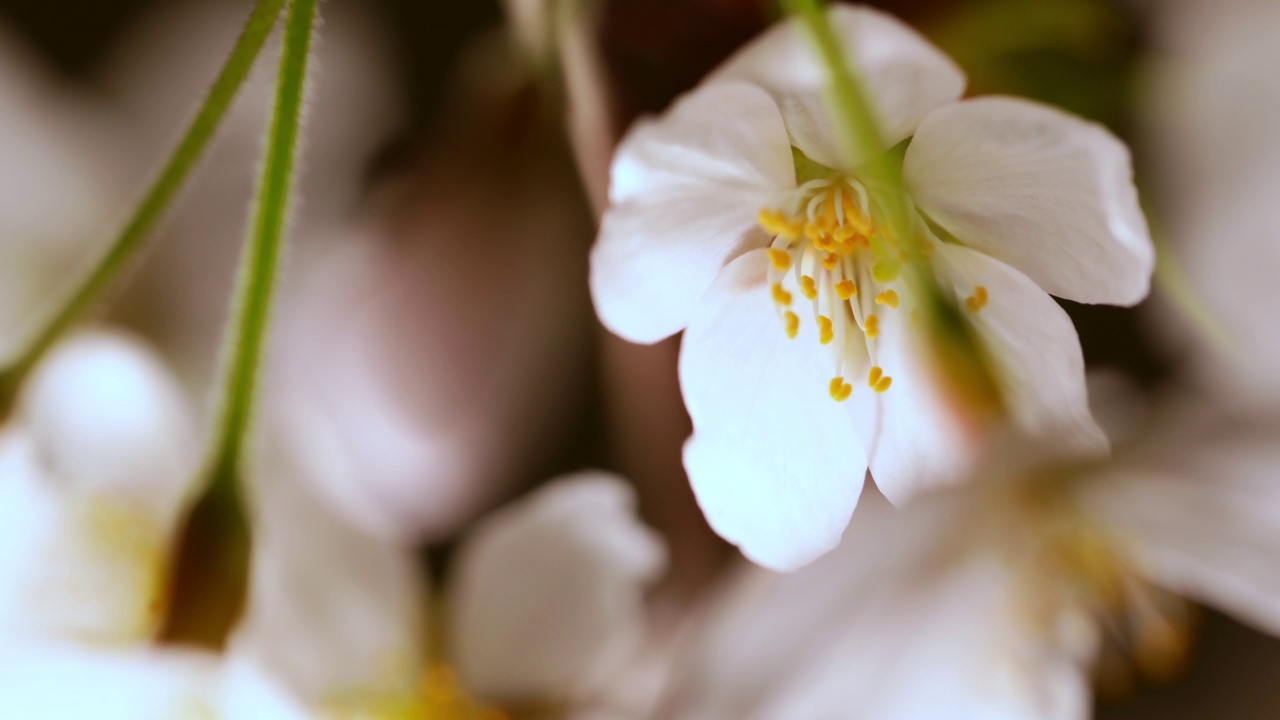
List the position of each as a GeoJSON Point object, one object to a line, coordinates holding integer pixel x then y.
{"type": "Point", "coordinates": [780, 259]}
{"type": "Point", "coordinates": [877, 380]}
{"type": "Point", "coordinates": [872, 328]}
{"type": "Point", "coordinates": [977, 300]}
{"type": "Point", "coordinates": [808, 287]}
{"type": "Point", "coordinates": [846, 289]}
{"type": "Point", "coordinates": [840, 390]}
{"type": "Point", "coordinates": [793, 324]}
{"type": "Point", "coordinates": [826, 333]}
{"type": "Point", "coordinates": [780, 296]}
{"type": "Point", "coordinates": [885, 271]}
{"type": "Point", "coordinates": [775, 223]}
{"type": "Point", "coordinates": [888, 298]}
{"type": "Point", "coordinates": [831, 261]}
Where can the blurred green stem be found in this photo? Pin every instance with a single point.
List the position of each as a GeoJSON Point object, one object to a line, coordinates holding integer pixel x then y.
{"type": "Point", "coordinates": [1172, 279]}
{"type": "Point", "coordinates": [172, 177]}
{"type": "Point", "coordinates": [216, 542]}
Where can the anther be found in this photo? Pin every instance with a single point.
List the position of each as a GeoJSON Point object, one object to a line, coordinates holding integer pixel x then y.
{"type": "Point", "coordinates": [781, 296]}
{"type": "Point", "coordinates": [775, 223]}
{"type": "Point", "coordinates": [780, 259]}
{"type": "Point", "coordinates": [877, 380]}
{"type": "Point", "coordinates": [831, 261]}
{"type": "Point", "coordinates": [840, 390]}
{"type": "Point", "coordinates": [846, 289]}
{"type": "Point", "coordinates": [826, 332]}
{"type": "Point", "coordinates": [808, 287]}
{"type": "Point", "coordinates": [888, 298]}
{"type": "Point", "coordinates": [872, 327]}
{"type": "Point", "coordinates": [792, 323]}
{"type": "Point", "coordinates": [977, 300]}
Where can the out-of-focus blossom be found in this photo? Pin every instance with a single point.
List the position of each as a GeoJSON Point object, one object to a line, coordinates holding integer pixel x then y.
{"type": "Point", "coordinates": [436, 353]}
{"type": "Point", "coordinates": [55, 189]}
{"type": "Point", "coordinates": [60, 682]}
{"type": "Point", "coordinates": [156, 77]}
{"type": "Point", "coordinates": [543, 607]}
{"type": "Point", "coordinates": [97, 465]}
{"type": "Point", "coordinates": [1220, 169]}
{"type": "Point", "coordinates": [740, 217]}
{"type": "Point", "coordinates": [994, 599]}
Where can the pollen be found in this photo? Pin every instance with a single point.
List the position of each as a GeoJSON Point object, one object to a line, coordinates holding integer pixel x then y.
{"type": "Point", "coordinates": [840, 390]}
{"type": "Point", "coordinates": [781, 296]}
{"type": "Point", "coordinates": [846, 289]}
{"type": "Point", "coordinates": [780, 259]}
{"type": "Point", "coordinates": [826, 331]}
{"type": "Point", "coordinates": [793, 324]}
{"type": "Point", "coordinates": [778, 224]}
{"type": "Point", "coordinates": [808, 287]}
{"type": "Point", "coordinates": [878, 381]}
{"type": "Point", "coordinates": [872, 328]}
{"type": "Point", "coordinates": [831, 261]}
{"type": "Point", "coordinates": [977, 300]}
{"type": "Point", "coordinates": [888, 298]}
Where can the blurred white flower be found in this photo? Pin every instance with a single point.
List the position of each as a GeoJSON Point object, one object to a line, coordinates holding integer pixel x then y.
{"type": "Point", "coordinates": [62, 682]}
{"type": "Point", "coordinates": [1221, 175]}
{"type": "Point", "coordinates": [992, 600]}
{"type": "Point", "coordinates": [543, 606]}
{"type": "Point", "coordinates": [740, 217]}
{"type": "Point", "coordinates": [97, 465]}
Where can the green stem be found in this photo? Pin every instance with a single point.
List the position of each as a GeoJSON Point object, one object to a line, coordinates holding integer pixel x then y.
{"type": "Point", "coordinates": [1173, 280]}
{"type": "Point", "coordinates": [261, 260]}
{"type": "Point", "coordinates": [960, 359]}
{"type": "Point", "coordinates": [172, 177]}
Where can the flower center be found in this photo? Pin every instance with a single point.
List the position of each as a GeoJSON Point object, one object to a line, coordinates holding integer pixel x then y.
{"type": "Point", "coordinates": [829, 247]}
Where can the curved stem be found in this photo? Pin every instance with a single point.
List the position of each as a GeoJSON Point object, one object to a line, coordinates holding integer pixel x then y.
{"type": "Point", "coordinates": [172, 177]}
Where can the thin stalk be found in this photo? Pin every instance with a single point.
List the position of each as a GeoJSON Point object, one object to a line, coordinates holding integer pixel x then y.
{"type": "Point", "coordinates": [213, 565]}
{"type": "Point", "coordinates": [1172, 279]}
{"type": "Point", "coordinates": [125, 247]}
{"type": "Point", "coordinates": [959, 358]}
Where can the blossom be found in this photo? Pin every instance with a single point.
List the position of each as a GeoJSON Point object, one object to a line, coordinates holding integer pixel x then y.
{"type": "Point", "coordinates": [97, 465]}
{"type": "Point", "coordinates": [741, 217]}
{"type": "Point", "coordinates": [995, 599]}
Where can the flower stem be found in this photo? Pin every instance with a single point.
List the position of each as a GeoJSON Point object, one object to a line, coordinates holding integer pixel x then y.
{"type": "Point", "coordinates": [961, 361]}
{"type": "Point", "coordinates": [215, 546]}
{"type": "Point", "coordinates": [172, 177]}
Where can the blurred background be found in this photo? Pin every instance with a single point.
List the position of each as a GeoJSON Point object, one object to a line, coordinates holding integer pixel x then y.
{"type": "Point", "coordinates": [439, 265]}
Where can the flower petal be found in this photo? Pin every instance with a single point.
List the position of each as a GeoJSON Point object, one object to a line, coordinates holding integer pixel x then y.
{"type": "Point", "coordinates": [773, 459]}
{"type": "Point", "coordinates": [547, 595]}
{"type": "Point", "coordinates": [912, 437]}
{"type": "Point", "coordinates": [1205, 520]}
{"type": "Point", "coordinates": [905, 76]}
{"type": "Point", "coordinates": [1033, 346]}
{"type": "Point", "coordinates": [1041, 190]}
{"type": "Point", "coordinates": [686, 191]}
{"type": "Point", "coordinates": [333, 612]}
{"type": "Point", "coordinates": [896, 624]}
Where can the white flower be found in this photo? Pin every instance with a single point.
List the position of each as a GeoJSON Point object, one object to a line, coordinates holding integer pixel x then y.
{"type": "Point", "coordinates": [97, 466]}
{"type": "Point", "coordinates": [1221, 175]}
{"type": "Point", "coordinates": [993, 600]}
{"type": "Point", "coordinates": [543, 606]}
{"type": "Point", "coordinates": [741, 218]}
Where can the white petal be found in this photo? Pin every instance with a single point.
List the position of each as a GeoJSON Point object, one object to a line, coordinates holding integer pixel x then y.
{"type": "Point", "coordinates": [332, 611]}
{"type": "Point", "coordinates": [773, 459]}
{"type": "Point", "coordinates": [912, 436]}
{"type": "Point", "coordinates": [1033, 346]}
{"type": "Point", "coordinates": [1205, 521]}
{"type": "Point", "coordinates": [547, 595]}
{"type": "Point", "coordinates": [108, 416]}
{"type": "Point", "coordinates": [686, 191]}
{"type": "Point", "coordinates": [1043, 191]}
{"type": "Point", "coordinates": [56, 682]}
{"type": "Point", "coordinates": [248, 693]}
{"type": "Point", "coordinates": [905, 77]}
{"type": "Point", "coordinates": [898, 623]}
